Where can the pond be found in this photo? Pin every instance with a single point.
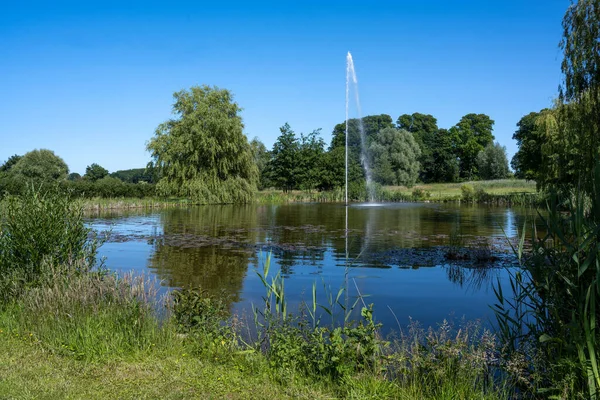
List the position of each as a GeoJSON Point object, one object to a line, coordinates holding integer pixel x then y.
{"type": "Point", "coordinates": [419, 261]}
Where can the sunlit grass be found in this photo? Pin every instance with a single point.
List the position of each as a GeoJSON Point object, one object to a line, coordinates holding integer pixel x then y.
{"type": "Point", "coordinates": [449, 190]}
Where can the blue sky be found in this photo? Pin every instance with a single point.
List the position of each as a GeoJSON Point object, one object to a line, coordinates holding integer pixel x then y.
{"type": "Point", "coordinates": [92, 80]}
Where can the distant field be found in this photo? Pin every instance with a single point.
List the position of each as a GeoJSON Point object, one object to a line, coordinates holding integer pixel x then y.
{"type": "Point", "coordinates": [446, 190]}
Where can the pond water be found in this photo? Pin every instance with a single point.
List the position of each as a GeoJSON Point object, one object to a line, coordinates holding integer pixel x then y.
{"type": "Point", "coordinates": [394, 255]}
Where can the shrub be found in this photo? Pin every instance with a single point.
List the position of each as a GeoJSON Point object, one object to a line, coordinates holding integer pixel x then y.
{"type": "Point", "coordinates": [420, 194]}
{"type": "Point", "coordinates": [40, 231]}
{"type": "Point", "coordinates": [468, 192]}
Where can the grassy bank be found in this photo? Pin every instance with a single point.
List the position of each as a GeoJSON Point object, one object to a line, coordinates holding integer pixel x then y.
{"type": "Point", "coordinates": [113, 346]}
{"type": "Point", "coordinates": [504, 192]}
{"type": "Point", "coordinates": [124, 203]}
{"type": "Point", "coordinates": [29, 371]}
{"type": "Point", "coordinates": [454, 191]}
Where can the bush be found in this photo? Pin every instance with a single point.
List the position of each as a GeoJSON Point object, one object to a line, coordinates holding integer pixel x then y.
{"type": "Point", "coordinates": [292, 345]}
{"type": "Point", "coordinates": [468, 192]}
{"type": "Point", "coordinates": [420, 194]}
{"type": "Point", "coordinates": [40, 231]}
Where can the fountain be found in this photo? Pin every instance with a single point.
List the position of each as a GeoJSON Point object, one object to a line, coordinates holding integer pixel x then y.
{"type": "Point", "coordinates": [364, 159]}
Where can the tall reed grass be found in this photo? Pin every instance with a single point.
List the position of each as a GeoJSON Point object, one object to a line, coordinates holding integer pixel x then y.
{"type": "Point", "coordinates": [549, 321]}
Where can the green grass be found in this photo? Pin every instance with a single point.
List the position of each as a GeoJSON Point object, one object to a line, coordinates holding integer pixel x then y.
{"type": "Point", "coordinates": [95, 336]}
{"type": "Point", "coordinates": [99, 203]}
{"type": "Point", "coordinates": [503, 191]}
{"type": "Point", "coordinates": [453, 190]}
{"type": "Point", "coordinates": [27, 371]}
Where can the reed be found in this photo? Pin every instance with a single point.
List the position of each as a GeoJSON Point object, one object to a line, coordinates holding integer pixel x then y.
{"type": "Point", "coordinates": [550, 318]}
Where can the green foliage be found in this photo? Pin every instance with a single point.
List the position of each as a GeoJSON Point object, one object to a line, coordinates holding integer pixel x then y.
{"type": "Point", "coordinates": [74, 176]}
{"type": "Point", "coordinates": [202, 153]}
{"type": "Point", "coordinates": [581, 62]}
{"type": "Point", "coordinates": [39, 231]}
{"type": "Point", "coordinates": [445, 165]}
{"type": "Point", "coordinates": [95, 172]}
{"type": "Point", "coordinates": [394, 154]}
{"type": "Point", "coordinates": [8, 164]}
{"type": "Point", "coordinates": [107, 187]}
{"type": "Point", "coordinates": [136, 175]}
{"type": "Point", "coordinates": [261, 157]}
{"type": "Point", "coordinates": [420, 194]}
{"type": "Point", "coordinates": [447, 363]}
{"type": "Point", "coordinates": [492, 162]}
{"type": "Point", "coordinates": [470, 136]}
{"type": "Point", "coordinates": [527, 161]}
{"type": "Point", "coordinates": [424, 129]}
{"type": "Point", "coordinates": [372, 124]}
{"type": "Point", "coordinates": [570, 132]}
{"type": "Point", "coordinates": [336, 353]}
{"type": "Point", "coordinates": [310, 167]}
{"type": "Point", "coordinates": [551, 316]}
{"type": "Point", "coordinates": [299, 164]}
{"type": "Point", "coordinates": [467, 192]}
{"type": "Point", "coordinates": [284, 159]}
{"type": "Point", "coordinates": [41, 165]}
{"type": "Point", "coordinates": [195, 309]}
{"type": "Point", "coordinates": [91, 316]}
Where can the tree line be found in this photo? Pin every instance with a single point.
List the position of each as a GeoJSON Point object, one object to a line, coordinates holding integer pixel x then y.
{"type": "Point", "coordinates": [43, 168]}
{"type": "Point", "coordinates": [203, 154]}
{"type": "Point", "coordinates": [413, 149]}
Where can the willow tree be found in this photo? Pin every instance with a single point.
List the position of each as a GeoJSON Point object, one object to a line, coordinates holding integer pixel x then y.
{"type": "Point", "coordinates": [580, 93]}
{"type": "Point", "coordinates": [203, 153]}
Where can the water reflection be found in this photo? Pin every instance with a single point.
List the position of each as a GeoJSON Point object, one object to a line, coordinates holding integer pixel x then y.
{"type": "Point", "coordinates": [396, 251]}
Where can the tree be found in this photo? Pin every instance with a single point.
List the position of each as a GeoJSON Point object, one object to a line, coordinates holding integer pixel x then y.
{"type": "Point", "coordinates": [527, 161]}
{"type": "Point", "coordinates": [371, 124]}
{"type": "Point", "coordinates": [74, 176]}
{"type": "Point", "coordinates": [424, 129]}
{"type": "Point", "coordinates": [284, 159]}
{"type": "Point", "coordinates": [579, 99]}
{"type": "Point", "coordinates": [311, 150]}
{"type": "Point", "coordinates": [492, 162]}
{"type": "Point", "coordinates": [203, 153]}
{"type": "Point", "coordinates": [261, 157]}
{"type": "Point", "coordinates": [95, 172]}
{"type": "Point", "coordinates": [135, 175]}
{"type": "Point", "coordinates": [445, 166]}
{"type": "Point", "coordinates": [41, 165]}
{"type": "Point", "coordinates": [394, 154]}
{"type": "Point", "coordinates": [12, 160]}
{"type": "Point", "coordinates": [470, 136]}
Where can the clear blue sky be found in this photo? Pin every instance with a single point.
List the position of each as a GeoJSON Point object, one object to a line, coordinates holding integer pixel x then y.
{"type": "Point", "coordinates": [92, 80]}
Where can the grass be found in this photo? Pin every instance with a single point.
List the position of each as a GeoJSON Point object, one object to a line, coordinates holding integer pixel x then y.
{"type": "Point", "coordinates": [503, 191]}
{"type": "Point", "coordinates": [99, 203]}
{"type": "Point", "coordinates": [95, 336]}
{"type": "Point", "coordinates": [27, 371]}
{"type": "Point", "coordinates": [172, 370]}
{"type": "Point", "coordinates": [453, 190]}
